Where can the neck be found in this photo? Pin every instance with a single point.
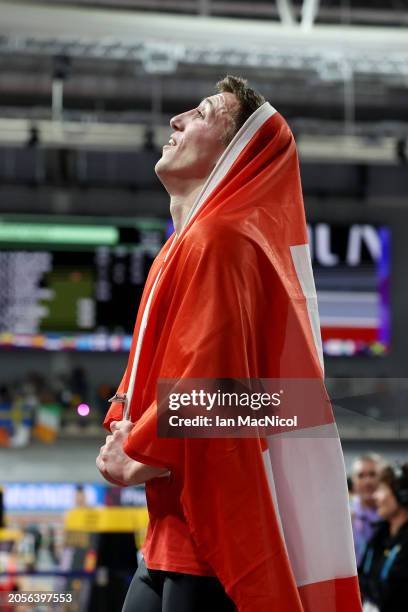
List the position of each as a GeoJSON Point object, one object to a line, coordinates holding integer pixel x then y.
{"type": "Point", "coordinates": [180, 206]}
{"type": "Point", "coordinates": [370, 504]}
{"type": "Point", "coordinates": [397, 521]}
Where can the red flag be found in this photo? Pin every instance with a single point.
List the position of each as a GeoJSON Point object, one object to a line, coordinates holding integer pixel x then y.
{"type": "Point", "coordinates": [233, 296]}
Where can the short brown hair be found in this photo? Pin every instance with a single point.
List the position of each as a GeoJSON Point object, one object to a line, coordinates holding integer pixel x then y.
{"type": "Point", "coordinates": [249, 100]}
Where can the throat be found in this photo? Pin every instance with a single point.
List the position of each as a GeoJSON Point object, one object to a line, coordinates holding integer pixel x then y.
{"type": "Point", "coordinates": [181, 205]}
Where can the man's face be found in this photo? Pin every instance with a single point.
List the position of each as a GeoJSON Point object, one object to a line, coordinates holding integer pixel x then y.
{"type": "Point", "coordinates": [365, 480]}
{"type": "Point", "coordinates": [197, 141]}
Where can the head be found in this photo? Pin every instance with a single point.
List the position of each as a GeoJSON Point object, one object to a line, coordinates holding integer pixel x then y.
{"type": "Point", "coordinates": [201, 135]}
{"type": "Point", "coordinates": [80, 496]}
{"type": "Point", "coordinates": [366, 470]}
{"type": "Point", "coordinates": [391, 496]}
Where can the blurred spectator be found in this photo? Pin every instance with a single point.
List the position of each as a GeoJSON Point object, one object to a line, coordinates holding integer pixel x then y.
{"type": "Point", "coordinates": [78, 384]}
{"type": "Point", "coordinates": [383, 571]}
{"type": "Point", "coordinates": [80, 497]}
{"type": "Point", "coordinates": [364, 478]}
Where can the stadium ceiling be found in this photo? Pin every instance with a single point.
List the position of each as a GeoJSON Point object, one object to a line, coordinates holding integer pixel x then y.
{"type": "Point", "coordinates": [143, 66]}
{"type": "Point", "coordinates": [163, 41]}
{"type": "Point", "coordinates": [361, 12]}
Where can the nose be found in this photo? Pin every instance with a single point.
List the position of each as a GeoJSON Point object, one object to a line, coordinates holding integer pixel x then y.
{"type": "Point", "coordinates": [178, 122]}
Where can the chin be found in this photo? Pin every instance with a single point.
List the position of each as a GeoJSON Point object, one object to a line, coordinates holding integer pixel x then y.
{"type": "Point", "coordinates": [162, 171]}
{"type": "Point", "coordinates": [158, 166]}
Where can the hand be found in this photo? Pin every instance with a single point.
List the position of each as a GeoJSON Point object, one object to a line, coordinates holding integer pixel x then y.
{"type": "Point", "coordinates": [112, 462]}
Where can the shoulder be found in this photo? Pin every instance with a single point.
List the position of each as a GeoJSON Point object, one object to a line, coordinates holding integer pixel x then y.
{"type": "Point", "coordinates": [381, 530]}
{"type": "Point", "coordinates": [219, 237]}
{"type": "Point", "coordinates": [402, 536]}
{"type": "Point", "coordinates": [379, 537]}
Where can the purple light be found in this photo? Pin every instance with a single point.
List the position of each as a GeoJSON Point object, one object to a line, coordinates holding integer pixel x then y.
{"type": "Point", "coordinates": [83, 410]}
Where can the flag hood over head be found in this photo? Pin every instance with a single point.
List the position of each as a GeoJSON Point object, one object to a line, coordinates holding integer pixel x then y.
{"type": "Point", "coordinates": [233, 296]}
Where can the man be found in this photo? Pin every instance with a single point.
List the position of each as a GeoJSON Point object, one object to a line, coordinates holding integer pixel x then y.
{"type": "Point", "coordinates": [365, 473]}
{"type": "Point", "coordinates": [262, 523]}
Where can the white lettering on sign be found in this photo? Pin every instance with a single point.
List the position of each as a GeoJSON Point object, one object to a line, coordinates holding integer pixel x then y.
{"type": "Point", "coordinates": [331, 245]}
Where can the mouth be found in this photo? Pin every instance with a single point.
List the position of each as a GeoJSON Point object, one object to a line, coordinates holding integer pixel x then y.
{"type": "Point", "coordinates": [172, 143]}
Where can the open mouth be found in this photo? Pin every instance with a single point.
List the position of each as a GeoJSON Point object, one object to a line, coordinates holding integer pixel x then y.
{"type": "Point", "coordinates": [170, 144]}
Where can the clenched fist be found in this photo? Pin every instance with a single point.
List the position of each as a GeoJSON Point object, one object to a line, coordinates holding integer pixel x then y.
{"type": "Point", "coordinates": [115, 465]}
{"type": "Point", "coordinates": [112, 462]}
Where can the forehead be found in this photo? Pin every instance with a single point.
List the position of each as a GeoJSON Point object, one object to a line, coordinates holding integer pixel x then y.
{"type": "Point", "coordinates": [224, 102]}
{"type": "Point", "coordinates": [365, 465]}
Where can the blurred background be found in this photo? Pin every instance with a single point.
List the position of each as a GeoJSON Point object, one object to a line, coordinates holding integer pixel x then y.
{"type": "Point", "coordinates": [87, 89]}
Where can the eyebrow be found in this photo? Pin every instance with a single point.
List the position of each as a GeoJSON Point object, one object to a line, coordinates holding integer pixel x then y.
{"type": "Point", "coordinates": [208, 101]}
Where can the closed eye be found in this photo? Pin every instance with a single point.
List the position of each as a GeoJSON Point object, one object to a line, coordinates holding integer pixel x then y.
{"type": "Point", "coordinates": [200, 113]}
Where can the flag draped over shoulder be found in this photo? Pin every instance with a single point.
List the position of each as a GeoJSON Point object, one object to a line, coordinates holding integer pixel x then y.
{"type": "Point", "coordinates": [233, 296]}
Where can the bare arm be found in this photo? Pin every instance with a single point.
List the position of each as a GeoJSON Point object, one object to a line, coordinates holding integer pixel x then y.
{"type": "Point", "coordinates": [138, 473]}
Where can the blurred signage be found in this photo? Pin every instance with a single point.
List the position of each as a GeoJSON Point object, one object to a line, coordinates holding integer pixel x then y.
{"type": "Point", "coordinates": [59, 497]}
{"type": "Point", "coordinates": [62, 295]}
{"type": "Point", "coordinates": [350, 245]}
{"type": "Point", "coordinates": [49, 496]}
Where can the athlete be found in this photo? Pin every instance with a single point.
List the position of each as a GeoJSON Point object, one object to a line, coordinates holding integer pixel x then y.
{"type": "Point", "coordinates": [234, 524]}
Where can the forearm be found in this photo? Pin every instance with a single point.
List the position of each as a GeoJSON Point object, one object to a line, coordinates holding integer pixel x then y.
{"type": "Point", "coordinates": [139, 473]}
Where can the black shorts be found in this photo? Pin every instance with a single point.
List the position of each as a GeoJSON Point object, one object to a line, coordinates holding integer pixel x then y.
{"type": "Point", "coordinates": [159, 591]}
